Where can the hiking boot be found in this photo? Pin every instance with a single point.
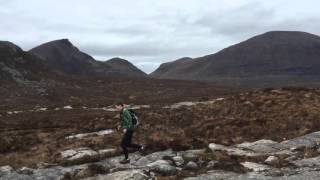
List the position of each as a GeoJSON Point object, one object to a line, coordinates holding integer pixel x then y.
{"type": "Point", "coordinates": [125, 161]}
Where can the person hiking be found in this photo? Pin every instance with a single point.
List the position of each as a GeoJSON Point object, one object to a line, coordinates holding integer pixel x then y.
{"type": "Point", "coordinates": [126, 125]}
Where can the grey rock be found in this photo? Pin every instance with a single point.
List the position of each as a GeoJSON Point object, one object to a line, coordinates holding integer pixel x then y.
{"type": "Point", "coordinates": [84, 135]}
{"type": "Point", "coordinates": [163, 167]}
{"type": "Point", "coordinates": [272, 160]}
{"type": "Point", "coordinates": [189, 156]}
{"type": "Point", "coordinates": [134, 174]}
{"type": "Point", "coordinates": [53, 173]}
{"type": "Point", "coordinates": [143, 161]}
{"type": "Point", "coordinates": [158, 162]}
{"type": "Point", "coordinates": [308, 141]}
{"type": "Point", "coordinates": [79, 153]}
{"type": "Point", "coordinates": [291, 158]}
{"type": "Point", "coordinates": [6, 169]}
{"type": "Point", "coordinates": [214, 175]}
{"type": "Point", "coordinates": [25, 170]}
{"type": "Point", "coordinates": [191, 166]}
{"type": "Point", "coordinates": [217, 147]}
{"type": "Point", "coordinates": [255, 166]}
{"type": "Point", "coordinates": [310, 162]}
{"type": "Point", "coordinates": [254, 149]}
{"type": "Point", "coordinates": [212, 164]}
{"type": "Point", "coordinates": [262, 146]}
{"type": "Point", "coordinates": [114, 164]}
{"type": "Point", "coordinates": [178, 160]}
{"type": "Point", "coordinates": [42, 165]}
{"type": "Point", "coordinates": [15, 176]}
{"type": "Point", "coordinates": [159, 155]}
{"type": "Point", "coordinates": [196, 151]}
{"type": "Point", "coordinates": [308, 174]}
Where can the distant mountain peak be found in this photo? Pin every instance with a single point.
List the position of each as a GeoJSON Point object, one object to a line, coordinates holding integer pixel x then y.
{"type": "Point", "coordinates": [119, 61]}
{"type": "Point", "coordinates": [279, 32]}
{"type": "Point", "coordinates": [124, 65]}
{"type": "Point", "coordinates": [8, 48]}
{"type": "Point", "coordinates": [64, 57]}
{"type": "Point", "coordinates": [272, 58]}
{"type": "Point", "coordinates": [59, 43]}
{"type": "Point", "coordinates": [63, 41]}
{"type": "Point", "coordinates": [285, 36]}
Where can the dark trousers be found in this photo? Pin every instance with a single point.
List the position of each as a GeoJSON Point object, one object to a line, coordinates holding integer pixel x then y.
{"type": "Point", "coordinates": [126, 142]}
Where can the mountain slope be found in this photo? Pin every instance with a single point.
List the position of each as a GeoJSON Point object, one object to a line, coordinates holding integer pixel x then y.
{"type": "Point", "coordinates": [63, 56]}
{"type": "Point", "coordinates": [122, 66]}
{"type": "Point", "coordinates": [18, 66]}
{"type": "Point", "coordinates": [273, 58]}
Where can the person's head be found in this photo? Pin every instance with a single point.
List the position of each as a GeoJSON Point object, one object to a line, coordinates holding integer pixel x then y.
{"type": "Point", "coordinates": [119, 105]}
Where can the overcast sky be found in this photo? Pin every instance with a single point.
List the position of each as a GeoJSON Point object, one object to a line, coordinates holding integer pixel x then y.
{"type": "Point", "coordinates": [150, 32]}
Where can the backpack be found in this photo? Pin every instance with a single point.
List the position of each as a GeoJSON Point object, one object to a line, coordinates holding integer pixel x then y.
{"type": "Point", "coordinates": [134, 117]}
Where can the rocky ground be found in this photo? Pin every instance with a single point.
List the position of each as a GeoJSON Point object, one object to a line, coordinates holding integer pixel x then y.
{"type": "Point", "coordinates": [204, 139]}
{"type": "Point", "coordinates": [296, 158]}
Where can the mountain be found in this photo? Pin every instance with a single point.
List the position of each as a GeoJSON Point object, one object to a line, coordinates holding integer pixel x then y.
{"type": "Point", "coordinates": [28, 80]}
{"type": "Point", "coordinates": [18, 66]}
{"type": "Point", "coordinates": [122, 66]}
{"type": "Point", "coordinates": [64, 57]}
{"type": "Point", "coordinates": [276, 58]}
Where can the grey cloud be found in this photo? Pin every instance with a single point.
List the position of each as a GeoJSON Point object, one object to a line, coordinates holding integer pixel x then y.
{"type": "Point", "coordinates": [235, 23]}
{"type": "Point", "coordinates": [139, 48]}
{"type": "Point", "coordinates": [151, 32]}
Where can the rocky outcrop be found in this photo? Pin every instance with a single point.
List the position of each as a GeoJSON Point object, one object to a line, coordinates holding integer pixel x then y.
{"type": "Point", "coordinates": [84, 135]}
{"type": "Point", "coordinates": [125, 175]}
{"type": "Point", "coordinates": [86, 154]}
{"type": "Point", "coordinates": [201, 163]}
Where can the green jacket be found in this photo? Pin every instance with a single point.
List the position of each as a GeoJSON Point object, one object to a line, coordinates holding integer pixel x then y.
{"type": "Point", "coordinates": [126, 119]}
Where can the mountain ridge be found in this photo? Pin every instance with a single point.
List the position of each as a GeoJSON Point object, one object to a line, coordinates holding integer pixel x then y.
{"type": "Point", "coordinates": [275, 53]}
{"type": "Point", "coordinates": [67, 58]}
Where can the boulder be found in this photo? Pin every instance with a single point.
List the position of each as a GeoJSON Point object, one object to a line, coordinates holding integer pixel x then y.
{"type": "Point", "coordinates": [188, 156]}
{"type": "Point", "coordinates": [16, 176]}
{"type": "Point", "coordinates": [134, 174]}
{"type": "Point", "coordinates": [163, 167]}
{"type": "Point", "coordinates": [84, 135]}
{"type": "Point", "coordinates": [191, 166]}
{"type": "Point", "coordinates": [107, 152]}
{"type": "Point", "coordinates": [74, 154]}
{"type": "Point", "coordinates": [42, 165]}
{"type": "Point", "coordinates": [272, 160]}
{"type": "Point", "coordinates": [89, 171]}
{"type": "Point", "coordinates": [114, 164]}
{"type": "Point", "coordinates": [6, 169]}
{"type": "Point", "coordinates": [191, 155]}
{"type": "Point", "coordinates": [215, 174]}
{"type": "Point", "coordinates": [255, 166]}
{"type": "Point", "coordinates": [212, 164]}
{"type": "Point", "coordinates": [306, 141]}
{"type": "Point", "coordinates": [232, 150]}
{"type": "Point", "coordinates": [142, 161]}
{"type": "Point", "coordinates": [196, 151]}
{"type": "Point", "coordinates": [154, 157]}
{"type": "Point", "coordinates": [25, 170]}
{"type": "Point", "coordinates": [309, 162]}
{"type": "Point", "coordinates": [217, 147]}
{"type": "Point", "coordinates": [179, 161]}
{"type": "Point", "coordinates": [262, 146]}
